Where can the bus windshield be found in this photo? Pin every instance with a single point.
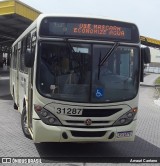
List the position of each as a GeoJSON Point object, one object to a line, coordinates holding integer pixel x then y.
{"type": "Point", "coordinates": [69, 71]}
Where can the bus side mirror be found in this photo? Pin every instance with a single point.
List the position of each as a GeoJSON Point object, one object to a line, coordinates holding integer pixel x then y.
{"type": "Point", "coordinates": [145, 51]}
{"type": "Point", "coordinates": [145, 58]}
{"type": "Point", "coordinates": [29, 58]}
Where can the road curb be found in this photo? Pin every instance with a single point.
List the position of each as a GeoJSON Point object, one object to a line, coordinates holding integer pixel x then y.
{"type": "Point", "coordinates": [148, 85]}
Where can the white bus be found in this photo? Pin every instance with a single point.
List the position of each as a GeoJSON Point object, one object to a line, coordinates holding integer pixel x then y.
{"type": "Point", "coordinates": [76, 79]}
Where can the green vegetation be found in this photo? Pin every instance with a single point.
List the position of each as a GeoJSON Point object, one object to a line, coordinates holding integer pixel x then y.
{"type": "Point", "coordinates": [157, 82]}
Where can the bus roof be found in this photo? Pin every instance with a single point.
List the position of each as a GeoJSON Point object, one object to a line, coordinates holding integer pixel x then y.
{"type": "Point", "coordinates": [42, 16]}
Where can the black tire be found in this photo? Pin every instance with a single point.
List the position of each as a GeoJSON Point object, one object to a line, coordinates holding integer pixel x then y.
{"type": "Point", "coordinates": [15, 106]}
{"type": "Point", "coordinates": [24, 123]}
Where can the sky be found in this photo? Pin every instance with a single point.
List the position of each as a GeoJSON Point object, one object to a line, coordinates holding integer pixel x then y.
{"type": "Point", "coordinates": [144, 13]}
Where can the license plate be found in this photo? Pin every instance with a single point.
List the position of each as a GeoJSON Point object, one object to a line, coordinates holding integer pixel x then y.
{"type": "Point", "coordinates": [69, 111]}
{"type": "Point", "coordinates": [124, 134]}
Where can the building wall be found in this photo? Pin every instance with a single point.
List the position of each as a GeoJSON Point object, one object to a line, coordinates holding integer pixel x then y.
{"type": "Point", "coordinates": [154, 66]}
{"type": "Point", "coordinates": [155, 55]}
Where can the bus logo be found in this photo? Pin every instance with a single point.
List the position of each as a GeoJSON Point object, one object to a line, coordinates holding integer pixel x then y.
{"type": "Point", "coordinates": [88, 122]}
{"type": "Point", "coordinates": [6, 160]}
{"type": "Point", "coordinates": [99, 92]}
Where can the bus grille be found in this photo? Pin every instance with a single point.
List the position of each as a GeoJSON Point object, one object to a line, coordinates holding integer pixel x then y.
{"type": "Point", "coordinates": [97, 117]}
{"type": "Point", "coordinates": [98, 112]}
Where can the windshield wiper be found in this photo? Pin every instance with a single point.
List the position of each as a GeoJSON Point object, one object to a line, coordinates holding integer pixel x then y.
{"type": "Point", "coordinates": [69, 46]}
{"type": "Point", "coordinates": [103, 60]}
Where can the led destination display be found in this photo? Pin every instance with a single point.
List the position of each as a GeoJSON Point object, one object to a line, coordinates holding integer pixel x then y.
{"type": "Point", "coordinates": [102, 29]}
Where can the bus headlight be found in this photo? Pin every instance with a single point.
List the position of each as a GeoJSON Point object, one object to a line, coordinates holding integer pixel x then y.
{"type": "Point", "coordinates": [126, 118]}
{"type": "Point", "coordinates": [46, 116]}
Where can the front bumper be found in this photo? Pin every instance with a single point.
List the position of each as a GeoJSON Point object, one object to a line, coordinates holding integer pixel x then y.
{"type": "Point", "coordinates": [46, 133]}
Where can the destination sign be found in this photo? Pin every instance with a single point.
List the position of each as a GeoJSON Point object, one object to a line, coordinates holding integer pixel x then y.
{"type": "Point", "coordinates": [103, 30]}
{"type": "Point", "coordinates": [89, 30]}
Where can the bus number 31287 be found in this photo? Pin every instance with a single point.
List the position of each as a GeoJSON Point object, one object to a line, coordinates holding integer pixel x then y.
{"type": "Point", "coordinates": [69, 111]}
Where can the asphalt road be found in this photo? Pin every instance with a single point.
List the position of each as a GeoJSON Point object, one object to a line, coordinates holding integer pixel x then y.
{"type": "Point", "coordinates": [14, 144]}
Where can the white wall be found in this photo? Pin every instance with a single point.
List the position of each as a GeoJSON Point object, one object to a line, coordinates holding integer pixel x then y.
{"type": "Point", "coordinates": [155, 55]}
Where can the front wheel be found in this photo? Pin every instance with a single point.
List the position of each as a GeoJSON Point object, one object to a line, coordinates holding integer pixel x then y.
{"type": "Point", "coordinates": [15, 106]}
{"type": "Point", "coordinates": [24, 123]}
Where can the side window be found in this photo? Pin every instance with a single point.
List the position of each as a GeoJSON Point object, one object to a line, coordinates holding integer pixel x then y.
{"type": "Point", "coordinates": [23, 48]}
{"type": "Point", "coordinates": [33, 43]}
{"type": "Point", "coordinates": [28, 46]}
{"type": "Point", "coordinates": [12, 56]}
{"type": "Point", "coordinates": [15, 54]}
{"type": "Point", "coordinates": [26, 43]}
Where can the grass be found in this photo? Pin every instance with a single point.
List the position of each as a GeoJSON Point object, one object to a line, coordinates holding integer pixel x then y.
{"type": "Point", "coordinates": [157, 82]}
